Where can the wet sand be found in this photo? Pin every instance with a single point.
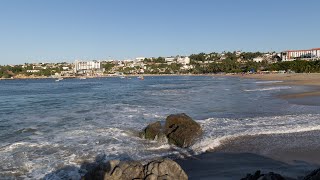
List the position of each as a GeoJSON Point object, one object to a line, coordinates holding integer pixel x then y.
{"type": "Point", "coordinates": [234, 166]}
{"type": "Point", "coordinates": [289, 147]}
{"type": "Point", "coordinates": [292, 155]}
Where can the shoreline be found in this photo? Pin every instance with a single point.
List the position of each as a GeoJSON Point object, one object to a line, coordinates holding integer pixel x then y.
{"type": "Point", "coordinates": [311, 80]}
{"type": "Point", "coordinates": [236, 157]}
{"type": "Point", "coordinates": [297, 79]}
{"type": "Point", "coordinates": [292, 155]}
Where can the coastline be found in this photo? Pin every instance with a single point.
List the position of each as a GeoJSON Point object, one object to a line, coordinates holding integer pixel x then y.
{"type": "Point", "coordinates": [297, 79]}
{"type": "Point", "coordinates": [292, 155]}
{"type": "Point", "coordinates": [303, 146]}
{"type": "Point", "coordinates": [236, 157]}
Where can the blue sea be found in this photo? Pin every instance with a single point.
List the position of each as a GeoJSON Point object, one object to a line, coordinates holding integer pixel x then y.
{"type": "Point", "coordinates": [47, 125]}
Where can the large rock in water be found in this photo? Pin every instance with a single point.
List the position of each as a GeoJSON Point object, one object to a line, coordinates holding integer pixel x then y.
{"type": "Point", "coordinates": [314, 175]}
{"type": "Point", "coordinates": [182, 130]}
{"type": "Point", "coordinates": [154, 170]}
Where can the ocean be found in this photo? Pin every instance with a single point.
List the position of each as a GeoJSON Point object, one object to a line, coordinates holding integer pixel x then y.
{"type": "Point", "coordinates": [47, 125]}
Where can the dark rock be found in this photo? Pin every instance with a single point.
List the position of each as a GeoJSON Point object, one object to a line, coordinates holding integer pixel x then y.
{"type": "Point", "coordinates": [314, 175]}
{"type": "Point", "coordinates": [99, 172]}
{"type": "Point", "coordinates": [182, 130]}
{"type": "Point", "coordinates": [164, 169]}
{"type": "Point", "coordinates": [154, 170]}
{"type": "Point", "coordinates": [258, 176]}
{"type": "Point", "coordinates": [152, 131]}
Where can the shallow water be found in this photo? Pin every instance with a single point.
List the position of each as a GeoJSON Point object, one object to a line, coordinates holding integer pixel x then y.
{"type": "Point", "coordinates": [46, 125]}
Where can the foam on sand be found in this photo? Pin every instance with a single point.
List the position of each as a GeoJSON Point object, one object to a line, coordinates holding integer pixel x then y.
{"type": "Point", "coordinates": [268, 88]}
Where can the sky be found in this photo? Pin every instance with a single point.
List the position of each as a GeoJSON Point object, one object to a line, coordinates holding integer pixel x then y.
{"type": "Point", "coordinates": [65, 30]}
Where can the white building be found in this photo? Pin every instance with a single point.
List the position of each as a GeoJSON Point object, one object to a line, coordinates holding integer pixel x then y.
{"type": "Point", "coordinates": [140, 58]}
{"type": "Point", "coordinates": [86, 65]}
{"type": "Point", "coordinates": [304, 54]}
{"type": "Point", "coordinates": [257, 59]}
{"type": "Point", "coordinates": [170, 60]}
{"type": "Point", "coordinates": [33, 71]}
{"type": "Point", "coordinates": [65, 68]}
{"type": "Point", "coordinates": [183, 60]}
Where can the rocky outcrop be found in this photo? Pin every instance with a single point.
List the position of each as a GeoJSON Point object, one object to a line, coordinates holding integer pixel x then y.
{"type": "Point", "coordinates": [180, 130]}
{"type": "Point", "coordinates": [258, 176]}
{"type": "Point", "coordinates": [164, 169]}
{"type": "Point", "coordinates": [152, 131]}
{"type": "Point", "coordinates": [314, 175]}
{"type": "Point", "coordinates": [154, 170]}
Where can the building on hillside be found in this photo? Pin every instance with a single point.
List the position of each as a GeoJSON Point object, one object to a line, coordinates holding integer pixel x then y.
{"type": "Point", "coordinates": [183, 60]}
{"type": "Point", "coordinates": [87, 67]}
{"type": "Point", "coordinates": [140, 58]}
{"type": "Point", "coordinates": [300, 54]}
{"type": "Point", "coordinates": [170, 60]}
{"type": "Point", "coordinates": [258, 59]}
{"type": "Point", "coordinates": [33, 71]}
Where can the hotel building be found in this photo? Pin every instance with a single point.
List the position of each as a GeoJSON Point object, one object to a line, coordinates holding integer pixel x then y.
{"type": "Point", "coordinates": [303, 54]}
{"type": "Point", "coordinates": [86, 66]}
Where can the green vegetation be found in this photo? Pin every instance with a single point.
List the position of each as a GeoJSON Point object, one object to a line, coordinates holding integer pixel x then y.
{"type": "Point", "coordinates": [298, 66]}
{"type": "Point", "coordinates": [202, 63]}
{"type": "Point", "coordinates": [229, 66]}
{"type": "Point", "coordinates": [43, 70]}
{"type": "Point", "coordinates": [108, 66]}
{"type": "Point", "coordinates": [10, 71]}
{"type": "Point", "coordinates": [241, 63]}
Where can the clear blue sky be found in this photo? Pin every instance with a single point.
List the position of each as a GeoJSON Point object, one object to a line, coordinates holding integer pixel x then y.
{"type": "Point", "coordinates": [64, 30]}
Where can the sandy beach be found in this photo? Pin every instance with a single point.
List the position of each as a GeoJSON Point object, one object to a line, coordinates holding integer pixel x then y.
{"type": "Point", "coordinates": [307, 79]}
{"type": "Point", "coordinates": [296, 79]}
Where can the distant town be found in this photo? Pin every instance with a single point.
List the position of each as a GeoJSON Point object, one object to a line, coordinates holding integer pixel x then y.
{"type": "Point", "coordinates": [202, 63]}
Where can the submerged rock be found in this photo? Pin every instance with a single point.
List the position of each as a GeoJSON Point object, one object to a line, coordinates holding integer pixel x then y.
{"type": "Point", "coordinates": [314, 175]}
{"type": "Point", "coordinates": [152, 131]}
{"type": "Point", "coordinates": [258, 176]}
{"type": "Point", "coordinates": [182, 130]}
{"type": "Point", "coordinates": [158, 169]}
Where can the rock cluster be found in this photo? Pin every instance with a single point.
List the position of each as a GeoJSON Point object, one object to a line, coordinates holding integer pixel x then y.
{"type": "Point", "coordinates": [258, 176]}
{"type": "Point", "coordinates": [314, 175]}
{"type": "Point", "coordinates": [179, 129]}
{"type": "Point", "coordinates": [154, 170]}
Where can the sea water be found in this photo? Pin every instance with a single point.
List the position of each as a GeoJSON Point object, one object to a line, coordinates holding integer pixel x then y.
{"type": "Point", "coordinates": [46, 126]}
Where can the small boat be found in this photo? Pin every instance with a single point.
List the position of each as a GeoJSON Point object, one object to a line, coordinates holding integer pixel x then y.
{"type": "Point", "coordinates": [141, 77]}
{"type": "Point", "coordinates": [82, 78]}
{"type": "Point", "coordinates": [59, 79]}
{"type": "Point", "coordinates": [122, 77]}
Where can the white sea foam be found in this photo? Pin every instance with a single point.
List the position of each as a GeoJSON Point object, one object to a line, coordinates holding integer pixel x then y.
{"type": "Point", "coordinates": [164, 146]}
{"type": "Point", "coordinates": [217, 130]}
{"type": "Point", "coordinates": [268, 88]}
{"type": "Point", "coordinates": [82, 124]}
{"type": "Point", "coordinates": [75, 146]}
{"type": "Point", "coordinates": [267, 82]}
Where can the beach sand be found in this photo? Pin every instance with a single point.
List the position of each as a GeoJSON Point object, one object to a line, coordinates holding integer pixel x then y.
{"type": "Point", "coordinates": [292, 155]}
{"type": "Point", "coordinates": [311, 80]}
{"type": "Point", "coordinates": [306, 79]}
